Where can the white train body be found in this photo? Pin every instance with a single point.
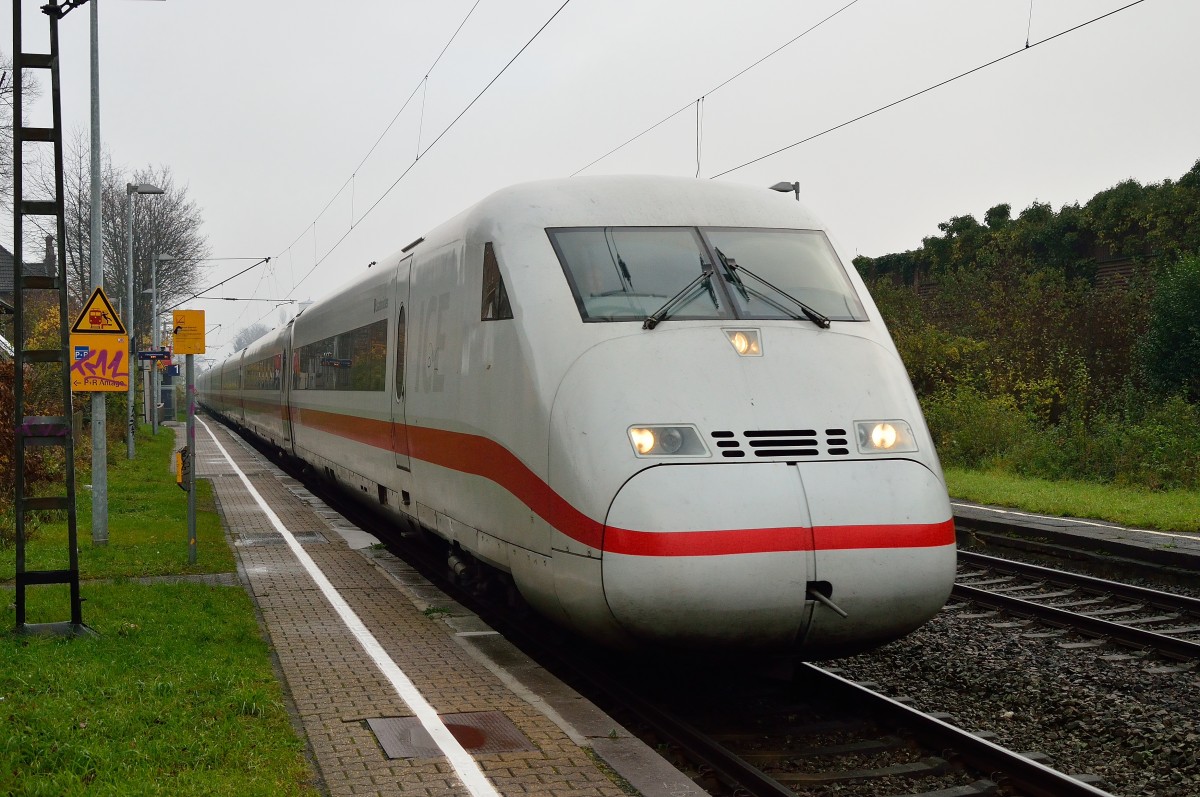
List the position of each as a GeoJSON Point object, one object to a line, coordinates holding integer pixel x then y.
{"type": "Point", "coordinates": [491, 382]}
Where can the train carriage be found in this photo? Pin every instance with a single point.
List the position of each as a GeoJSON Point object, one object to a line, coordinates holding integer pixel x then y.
{"type": "Point", "coordinates": [263, 390]}
{"type": "Point", "coordinates": [666, 408]}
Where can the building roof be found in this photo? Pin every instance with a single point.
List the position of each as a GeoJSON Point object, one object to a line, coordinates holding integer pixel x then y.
{"type": "Point", "coordinates": [6, 271]}
{"type": "Point", "coordinates": [44, 267]}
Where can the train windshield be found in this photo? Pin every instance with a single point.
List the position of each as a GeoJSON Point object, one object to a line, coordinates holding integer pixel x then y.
{"type": "Point", "coordinates": [786, 267]}
{"type": "Point", "coordinates": [628, 273]}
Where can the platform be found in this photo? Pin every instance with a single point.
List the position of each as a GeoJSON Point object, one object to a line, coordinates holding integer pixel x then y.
{"type": "Point", "coordinates": [397, 689]}
{"type": "Point", "coordinates": [1168, 549]}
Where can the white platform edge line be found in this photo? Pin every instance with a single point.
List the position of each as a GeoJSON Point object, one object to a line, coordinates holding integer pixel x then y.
{"type": "Point", "coordinates": [464, 765]}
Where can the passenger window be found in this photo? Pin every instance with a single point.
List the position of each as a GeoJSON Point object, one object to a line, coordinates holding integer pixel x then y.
{"type": "Point", "coordinates": [353, 360]}
{"type": "Point", "coordinates": [400, 354]}
{"type": "Point", "coordinates": [495, 297]}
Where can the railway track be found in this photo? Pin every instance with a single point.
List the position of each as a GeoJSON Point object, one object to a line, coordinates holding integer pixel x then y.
{"type": "Point", "coordinates": [821, 731]}
{"type": "Point", "coordinates": [747, 735]}
{"type": "Point", "coordinates": [1106, 611]}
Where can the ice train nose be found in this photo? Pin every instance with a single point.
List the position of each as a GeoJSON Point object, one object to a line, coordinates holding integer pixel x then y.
{"type": "Point", "coordinates": [731, 554]}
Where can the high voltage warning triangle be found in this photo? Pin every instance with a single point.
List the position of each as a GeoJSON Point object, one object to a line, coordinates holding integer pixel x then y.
{"type": "Point", "coordinates": [98, 316]}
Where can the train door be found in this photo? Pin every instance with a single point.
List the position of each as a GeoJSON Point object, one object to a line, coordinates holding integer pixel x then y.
{"type": "Point", "coordinates": [287, 366]}
{"type": "Point", "coordinates": [400, 351]}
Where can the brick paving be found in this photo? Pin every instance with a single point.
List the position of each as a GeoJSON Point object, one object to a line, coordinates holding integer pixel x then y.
{"type": "Point", "coordinates": [333, 685]}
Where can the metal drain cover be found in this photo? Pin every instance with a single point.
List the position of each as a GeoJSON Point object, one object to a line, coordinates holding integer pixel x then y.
{"type": "Point", "coordinates": [478, 732]}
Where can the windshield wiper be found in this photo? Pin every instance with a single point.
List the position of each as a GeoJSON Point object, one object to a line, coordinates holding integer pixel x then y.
{"type": "Point", "coordinates": [661, 313]}
{"type": "Point", "coordinates": [809, 313]}
{"type": "Point", "coordinates": [733, 277]}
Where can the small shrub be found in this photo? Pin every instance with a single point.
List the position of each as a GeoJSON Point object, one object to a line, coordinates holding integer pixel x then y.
{"type": "Point", "coordinates": [1152, 446]}
{"type": "Point", "coordinates": [1170, 349]}
{"type": "Point", "coordinates": [972, 430]}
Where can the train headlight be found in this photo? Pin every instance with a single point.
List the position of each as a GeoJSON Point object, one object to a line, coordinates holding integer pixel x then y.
{"type": "Point", "coordinates": [643, 440]}
{"type": "Point", "coordinates": [667, 441]}
{"type": "Point", "coordinates": [884, 437]}
{"type": "Point", "coordinates": [746, 342]}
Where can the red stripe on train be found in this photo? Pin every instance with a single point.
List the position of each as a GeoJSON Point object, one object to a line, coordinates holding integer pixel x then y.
{"type": "Point", "coordinates": [483, 457]}
{"type": "Point", "coordinates": [795, 538]}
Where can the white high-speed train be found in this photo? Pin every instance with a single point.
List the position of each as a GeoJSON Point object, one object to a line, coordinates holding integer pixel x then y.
{"type": "Point", "coordinates": [667, 408]}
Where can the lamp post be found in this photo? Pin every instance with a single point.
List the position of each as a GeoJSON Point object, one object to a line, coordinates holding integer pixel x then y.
{"type": "Point", "coordinates": [155, 331]}
{"type": "Point", "coordinates": [785, 188]}
{"type": "Point", "coordinates": [99, 403]}
{"type": "Point", "coordinates": [130, 190]}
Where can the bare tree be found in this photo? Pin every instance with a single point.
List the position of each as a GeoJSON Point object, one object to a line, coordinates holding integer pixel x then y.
{"type": "Point", "coordinates": [248, 335]}
{"type": "Point", "coordinates": [77, 206]}
{"type": "Point", "coordinates": [166, 224]}
{"type": "Point", "coordinates": [30, 91]}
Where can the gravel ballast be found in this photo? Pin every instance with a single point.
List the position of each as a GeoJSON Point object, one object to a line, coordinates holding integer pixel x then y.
{"type": "Point", "coordinates": [1131, 720]}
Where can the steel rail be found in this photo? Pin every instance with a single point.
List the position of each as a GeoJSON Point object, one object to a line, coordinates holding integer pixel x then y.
{"type": "Point", "coordinates": [1165, 600]}
{"type": "Point", "coordinates": [698, 746]}
{"type": "Point", "coordinates": [1023, 775]}
{"type": "Point", "coordinates": [1093, 626]}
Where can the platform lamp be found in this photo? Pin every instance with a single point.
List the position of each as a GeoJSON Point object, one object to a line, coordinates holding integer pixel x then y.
{"type": "Point", "coordinates": [130, 190]}
{"type": "Point", "coordinates": [155, 340]}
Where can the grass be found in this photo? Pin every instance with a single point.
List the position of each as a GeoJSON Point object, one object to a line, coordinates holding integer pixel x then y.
{"type": "Point", "coordinates": [147, 515]}
{"type": "Point", "coordinates": [1173, 510]}
{"type": "Point", "coordinates": [176, 695]}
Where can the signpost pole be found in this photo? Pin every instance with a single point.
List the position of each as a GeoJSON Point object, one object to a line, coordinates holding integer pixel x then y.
{"type": "Point", "coordinates": [191, 457]}
{"type": "Point", "coordinates": [188, 337]}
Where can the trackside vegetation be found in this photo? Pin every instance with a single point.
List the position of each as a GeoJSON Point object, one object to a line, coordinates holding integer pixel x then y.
{"type": "Point", "coordinates": [1060, 346]}
{"type": "Point", "coordinates": [176, 693]}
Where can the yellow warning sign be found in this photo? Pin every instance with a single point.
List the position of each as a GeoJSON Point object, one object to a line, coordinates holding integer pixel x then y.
{"type": "Point", "coordinates": [188, 336]}
{"type": "Point", "coordinates": [100, 362]}
{"type": "Point", "coordinates": [98, 317]}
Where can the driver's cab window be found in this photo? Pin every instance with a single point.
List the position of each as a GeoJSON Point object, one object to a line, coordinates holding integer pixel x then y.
{"type": "Point", "coordinates": [628, 273]}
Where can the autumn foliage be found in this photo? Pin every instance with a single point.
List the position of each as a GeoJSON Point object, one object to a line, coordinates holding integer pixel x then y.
{"type": "Point", "coordinates": [45, 466]}
{"type": "Point", "coordinates": [1059, 344]}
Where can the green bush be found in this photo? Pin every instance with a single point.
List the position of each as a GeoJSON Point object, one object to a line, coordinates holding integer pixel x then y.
{"type": "Point", "coordinates": [1162, 450]}
{"type": "Point", "coordinates": [972, 430]}
{"type": "Point", "coordinates": [1154, 446]}
{"type": "Point", "coordinates": [1170, 349]}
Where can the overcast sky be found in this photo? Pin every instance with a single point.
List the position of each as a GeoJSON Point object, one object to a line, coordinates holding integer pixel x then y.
{"type": "Point", "coordinates": [266, 111]}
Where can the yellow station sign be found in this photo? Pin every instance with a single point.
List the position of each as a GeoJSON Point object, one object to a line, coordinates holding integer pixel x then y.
{"type": "Point", "coordinates": [100, 362]}
{"type": "Point", "coordinates": [98, 317]}
{"type": "Point", "coordinates": [188, 331]}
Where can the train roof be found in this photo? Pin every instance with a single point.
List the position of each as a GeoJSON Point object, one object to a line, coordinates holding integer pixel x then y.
{"type": "Point", "coordinates": [641, 200]}
{"type": "Point", "coordinates": [518, 212]}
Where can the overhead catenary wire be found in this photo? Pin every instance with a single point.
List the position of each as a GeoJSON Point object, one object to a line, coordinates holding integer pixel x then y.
{"type": "Point", "coordinates": [245, 299]}
{"type": "Point", "coordinates": [199, 295]}
{"type": "Point", "coordinates": [928, 89]}
{"type": "Point", "coordinates": [690, 104]}
{"type": "Point", "coordinates": [715, 89]}
{"type": "Point", "coordinates": [318, 260]}
{"type": "Point", "coordinates": [382, 135]}
{"type": "Point", "coordinates": [439, 137]}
